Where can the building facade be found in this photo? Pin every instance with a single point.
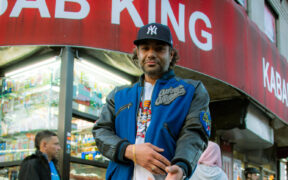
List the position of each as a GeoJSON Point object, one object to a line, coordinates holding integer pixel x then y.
{"type": "Point", "coordinates": [59, 60]}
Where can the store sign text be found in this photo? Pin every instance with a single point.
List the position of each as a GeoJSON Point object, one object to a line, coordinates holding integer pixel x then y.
{"type": "Point", "coordinates": [275, 83]}
{"type": "Point", "coordinates": [166, 11]}
{"type": "Point", "coordinates": [43, 9]}
{"type": "Point", "coordinates": [119, 6]}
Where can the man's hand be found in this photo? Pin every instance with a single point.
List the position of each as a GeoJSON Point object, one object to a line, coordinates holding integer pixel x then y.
{"type": "Point", "coordinates": [149, 157]}
{"type": "Point", "coordinates": [174, 173]}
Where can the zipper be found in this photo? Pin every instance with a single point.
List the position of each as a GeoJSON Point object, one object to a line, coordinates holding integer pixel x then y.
{"type": "Point", "coordinates": [169, 131]}
{"type": "Point", "coordinates": [124, 107]}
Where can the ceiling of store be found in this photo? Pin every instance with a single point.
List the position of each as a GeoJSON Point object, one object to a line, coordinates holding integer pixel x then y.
{"type": "Point", "coordinates": [11, 54]}
{"type": "Point", "coordinates": [217, 90]}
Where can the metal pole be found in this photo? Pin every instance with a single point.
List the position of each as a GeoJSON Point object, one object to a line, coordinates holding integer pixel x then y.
{"type": "Point", "coordinates": [65, 110]}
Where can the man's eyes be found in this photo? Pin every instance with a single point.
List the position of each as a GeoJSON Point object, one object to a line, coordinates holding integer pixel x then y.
{"type": "Point", "coordinates": [159, 48]}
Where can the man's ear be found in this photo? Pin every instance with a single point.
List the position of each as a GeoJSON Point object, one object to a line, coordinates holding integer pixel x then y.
{"type": "Point", "coordinates": [43, 144]}
{"type": "Point", "coordinates": [171, 55]}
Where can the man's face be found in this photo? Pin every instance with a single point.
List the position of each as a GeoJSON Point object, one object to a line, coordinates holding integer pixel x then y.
{"type": "Point", "coordinates": [154, 57]}
{"type": "Point", "coordinates": [253, 176]}
{"type": "Point", "coordinates": [52, 147]}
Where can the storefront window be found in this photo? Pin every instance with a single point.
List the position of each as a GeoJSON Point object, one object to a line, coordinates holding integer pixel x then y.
{"type": "Point", "coordinates": [283, 169]}
{"type": "Point", "coordinates": [9, 173]}
{"type": "Point", "coordinates": [238, 165]}
{"type": "Point", "coordinates": [29, 103]}
{"type": "Point", "coordinates": [83, 143]}
{"type": "Point", "coordinates": [91, 86]}
{"type": "Point", "coordinates": [237, 169]}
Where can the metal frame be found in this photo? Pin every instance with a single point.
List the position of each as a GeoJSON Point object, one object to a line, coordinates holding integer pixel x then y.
{"type": "Point", "coordinates": [65, 110]}
{"type": "Point", "coordinates": [84, 116]}
{"type": "Point", "coordinates": [89, 162]}
{"type": "Point", "coordinates": [10, 164]}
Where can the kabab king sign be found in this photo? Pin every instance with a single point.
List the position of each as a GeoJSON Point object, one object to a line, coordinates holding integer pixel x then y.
{"type": "Point", "coordinates": [213, 37]}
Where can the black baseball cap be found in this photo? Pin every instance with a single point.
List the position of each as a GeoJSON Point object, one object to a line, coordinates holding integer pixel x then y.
{"type": "Point", "coordinates": [252, 170]}
{"type": "Point", "coordinates": [154, 31]}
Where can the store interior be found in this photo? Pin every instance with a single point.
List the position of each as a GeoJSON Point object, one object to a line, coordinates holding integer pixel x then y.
{"type": "Point", "coordinates": [30, 103]}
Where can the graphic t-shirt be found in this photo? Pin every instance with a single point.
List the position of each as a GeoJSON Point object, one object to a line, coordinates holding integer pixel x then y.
{"type": "Point", "coordinates": [143, 122]}
{"type": "Point", "coordinates": [54, 173]}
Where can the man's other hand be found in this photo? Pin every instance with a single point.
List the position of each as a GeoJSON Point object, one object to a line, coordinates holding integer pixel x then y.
{"type": "Point", "coordinates": [148, 156]}
{"type": "Point", "coordinates": [174, 173]}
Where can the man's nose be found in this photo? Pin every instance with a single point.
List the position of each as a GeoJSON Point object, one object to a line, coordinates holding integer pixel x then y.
{"type": "Point", "coordinates": [151, 53]}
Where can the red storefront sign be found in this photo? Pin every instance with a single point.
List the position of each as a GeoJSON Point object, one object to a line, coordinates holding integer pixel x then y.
{"type": "Point", "coordinates": [213, 37]}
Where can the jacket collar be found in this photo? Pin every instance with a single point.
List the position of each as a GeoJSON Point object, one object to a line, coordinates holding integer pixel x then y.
{"type": "Point", "coordinates": [167, 75]}
{"type": "Point", "coordinates": [44, 156]}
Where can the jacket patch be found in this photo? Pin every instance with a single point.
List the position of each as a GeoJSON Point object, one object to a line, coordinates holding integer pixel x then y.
{"type": "Point", "coordinates": [206, 122]}
{"type": "Point", "coordinates": [166, 96]}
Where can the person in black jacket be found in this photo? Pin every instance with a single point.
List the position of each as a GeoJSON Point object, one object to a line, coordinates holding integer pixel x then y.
{"type": "Point", "coordinates": [42, 164]}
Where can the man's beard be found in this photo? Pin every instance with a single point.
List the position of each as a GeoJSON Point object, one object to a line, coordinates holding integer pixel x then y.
{"type": "Point", "coordinates": [157, 72]}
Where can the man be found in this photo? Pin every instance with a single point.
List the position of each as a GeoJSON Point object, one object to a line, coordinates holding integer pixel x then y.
{"type": "Point", "coordinates": [158, 127]}
{"type": "Point", "coordinates": [252, 173]}
{"type": "Point", "coordinates": [42, 164]}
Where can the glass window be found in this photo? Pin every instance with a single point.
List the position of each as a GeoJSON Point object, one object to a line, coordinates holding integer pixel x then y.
{"type": "Point", "coordinates": [91, 86]}
{"type": "Point", "coordinates": [29, 103]}
{"type": "Point", "coordinates": [9, 173]}
{"type": "Point", "coordinates": [86, 172]}
{"type": "Point", "coordinates": [83, 143]}
{"type": "Point", "coordinates": [270, 24]}
{"type": "Point", "coordinates": [283, 169]}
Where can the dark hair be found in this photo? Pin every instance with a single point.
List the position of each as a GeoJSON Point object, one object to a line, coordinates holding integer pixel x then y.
{"type": "Point", "coordinates": [251, 170]}
{"type": "Point", "coordinates": [42, 135]}
{"type": "Point", "coordinates": [175, 57]}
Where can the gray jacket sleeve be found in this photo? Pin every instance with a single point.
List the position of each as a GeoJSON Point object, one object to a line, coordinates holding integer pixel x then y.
{"type": "Point", "coordinates": [108, 143]}
{"type": "Point", "coordinates": [193, 139]}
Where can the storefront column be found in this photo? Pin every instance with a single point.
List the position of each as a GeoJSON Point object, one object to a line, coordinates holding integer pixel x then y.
{"type": "Point", "coordinates": [65, 110]}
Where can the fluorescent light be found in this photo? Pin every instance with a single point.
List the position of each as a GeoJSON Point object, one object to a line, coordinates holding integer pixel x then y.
{"type": "Point", "coordinates": [102, 71]}
{"type": "Point", "coordinates": [27, 69]}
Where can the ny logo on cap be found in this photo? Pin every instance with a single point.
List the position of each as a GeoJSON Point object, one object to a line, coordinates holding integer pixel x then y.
{"type": "Point", "coordinates": [152, 30]}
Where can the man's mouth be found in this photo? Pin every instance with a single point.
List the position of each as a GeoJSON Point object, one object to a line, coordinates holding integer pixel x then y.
{"type": "Point", "coordinates": [150, 62]}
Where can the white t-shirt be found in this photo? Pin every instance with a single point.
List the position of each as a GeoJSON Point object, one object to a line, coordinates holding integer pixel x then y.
{"type": "Point", "coordinates": [143, 122]}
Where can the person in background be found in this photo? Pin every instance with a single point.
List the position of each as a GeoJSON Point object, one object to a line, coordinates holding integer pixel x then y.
{"type": "Point", "coordinates": [252, 173]}
{"type": "Point", "coordinates": [43, 164]}
{"type": "Point", "coordinates": [158, 127]}
{"type": "Point", "coordinates": [210, 164]}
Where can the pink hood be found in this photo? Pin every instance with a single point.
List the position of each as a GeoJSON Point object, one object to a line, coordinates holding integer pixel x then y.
{"type": "Point", "coordinates": [211, 156]}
